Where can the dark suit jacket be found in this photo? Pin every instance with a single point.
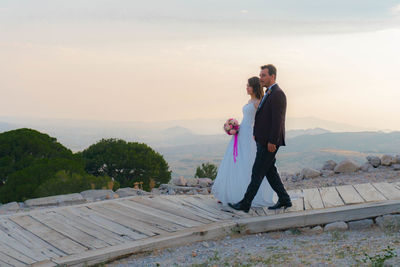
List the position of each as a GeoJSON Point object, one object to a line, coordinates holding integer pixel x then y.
{"type": "Point", "coordinates": [269, 124]}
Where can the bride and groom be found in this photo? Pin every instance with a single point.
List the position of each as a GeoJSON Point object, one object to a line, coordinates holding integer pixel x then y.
{"type": "Point", "coordinates": [262, 132]}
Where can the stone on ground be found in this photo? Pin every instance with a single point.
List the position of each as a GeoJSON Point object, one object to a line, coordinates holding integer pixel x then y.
{"type": "Point", "coordinates": [310, 173]}
{"type": "Point", "coordinates": [388, 160]}
{"type": "Point", "coordinates": [329, 165]}
{"type": "Point", "coordinates": [346, 166]}
{"type": "Point", "coordinates": [374, 161]}
{"type": "Point", "coordinates": [361, 224]}
{"type": "Point", "coordinates": [129, 191]}
{"type": "Point", "coordinates": [9, 207]}
{"type": "Point", "coordinates": [179, 181]}
{"type": "Point", "coordinates": [94, 195]}
{"type": "Point", "coordinates": [336, 226]}
{"type": "Point", "coordinates": [68, 199]}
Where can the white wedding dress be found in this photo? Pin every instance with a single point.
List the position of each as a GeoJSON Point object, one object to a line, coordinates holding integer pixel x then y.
{"type": "Point", "coordinates": [232, 179]}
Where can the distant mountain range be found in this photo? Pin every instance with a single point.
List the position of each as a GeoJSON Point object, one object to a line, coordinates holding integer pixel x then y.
{"type": "Point", "coordinates": [185, 146]}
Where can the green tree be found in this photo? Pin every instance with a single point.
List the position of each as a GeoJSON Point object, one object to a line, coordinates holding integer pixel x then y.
{"type": "Point", "coordinates": [45, 178]}
{"type": "Point", "coordinates": [207, 170]}
{"type": "Point", "coordinates": [23, 147]}
{"type": "Point", "coordinates": [126, 162]}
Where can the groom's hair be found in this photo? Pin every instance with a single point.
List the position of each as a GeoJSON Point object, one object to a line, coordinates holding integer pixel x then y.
{"type": "Point", "coordinates": [271, 69]}
{"type": "Point", "coordinates": [254, 82]}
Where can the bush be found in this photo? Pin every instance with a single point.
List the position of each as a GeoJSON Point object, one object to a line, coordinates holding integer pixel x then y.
{"type": "Point", "coordinates": [24, 147]}
{"type": "Point", "coordinates": [126, 162]}
{"type": "Point", "coordinates": [207, 170]}
{"type": "Point", "coordinates": [40, 180]}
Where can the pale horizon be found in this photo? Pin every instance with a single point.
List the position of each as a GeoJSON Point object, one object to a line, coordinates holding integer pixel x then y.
{"type": "Point", "coordinates": [182, 60]}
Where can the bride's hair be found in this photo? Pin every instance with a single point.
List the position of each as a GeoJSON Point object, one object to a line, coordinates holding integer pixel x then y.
{"type": "Point", "coordinates": [254, 83]}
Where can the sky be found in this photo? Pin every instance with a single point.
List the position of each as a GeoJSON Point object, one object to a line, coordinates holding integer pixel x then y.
{"type": "Point", "coordinates": [159, 60]}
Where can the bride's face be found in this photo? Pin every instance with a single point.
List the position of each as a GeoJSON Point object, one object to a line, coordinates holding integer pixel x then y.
{"type": "Point", "coordinates": [249, 90]}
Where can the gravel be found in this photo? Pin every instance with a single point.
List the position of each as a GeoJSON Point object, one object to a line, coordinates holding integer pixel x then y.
{"type": "Point", "coordinates": [290, 248]}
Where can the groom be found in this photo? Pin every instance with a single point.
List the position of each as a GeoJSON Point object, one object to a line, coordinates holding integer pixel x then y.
{"type": "Point", "coordinates": [269, 134]}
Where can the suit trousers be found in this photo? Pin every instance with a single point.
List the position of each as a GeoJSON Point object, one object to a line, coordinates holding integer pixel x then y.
{"type": "Point", "coordinates": [264, 165]}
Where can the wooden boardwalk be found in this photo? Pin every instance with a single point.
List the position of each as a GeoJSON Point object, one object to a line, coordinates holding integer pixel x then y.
{"type": "Point", "coordinates": [96, 232]}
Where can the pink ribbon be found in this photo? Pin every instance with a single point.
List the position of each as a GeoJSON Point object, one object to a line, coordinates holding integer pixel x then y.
{"type": "Point", "coordinates": [235, 148]}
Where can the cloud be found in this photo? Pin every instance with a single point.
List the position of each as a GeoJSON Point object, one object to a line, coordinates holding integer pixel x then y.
{"type": "Point", "coordinates": [244, 11]}
{"type": "Point", "coordinates": [395, 10]}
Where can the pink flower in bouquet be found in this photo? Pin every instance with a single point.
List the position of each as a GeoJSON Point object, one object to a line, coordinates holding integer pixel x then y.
{"type": "Point", "coordinates": [231, 126]}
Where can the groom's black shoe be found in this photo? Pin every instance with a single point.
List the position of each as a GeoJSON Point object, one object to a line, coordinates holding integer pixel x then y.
{"type": "Point", "coordinates": [279, 205]}
{"type": "Point", "coordinates": [240, 206]}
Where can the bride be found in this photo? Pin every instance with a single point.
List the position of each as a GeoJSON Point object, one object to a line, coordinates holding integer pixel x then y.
{"type": "Point", "coordinates": [233, 177]}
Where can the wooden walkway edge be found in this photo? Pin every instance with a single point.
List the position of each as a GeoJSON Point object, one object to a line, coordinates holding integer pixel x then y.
{"type": "Point", "coordinates": [216, 230]}
{"type": "Point", "coordinates": [97, 232]}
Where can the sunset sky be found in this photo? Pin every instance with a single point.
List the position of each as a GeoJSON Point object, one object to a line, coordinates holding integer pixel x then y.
{"type": "Point", "coordinates": [185, 59]}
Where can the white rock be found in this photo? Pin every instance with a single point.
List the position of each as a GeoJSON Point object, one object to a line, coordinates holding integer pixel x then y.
{"type": "Point", "coordinates": [129, 191]}
{"type": "Point", "coordinates": [192, 182]}
{"type": "Point", "coordinates": [388, 160]}
{"type": "Point", "coordinates": [179, 181]}
{"type": "Point", "coordinates": [329, 165]}
{"type": "Point", "coordinates": [68, 199]}
{"type": "Point", "coordinates": [346, 166]}
{"type": "Point", "coordinates": [100, 194]}
{"type": "Point", "coordinates": [361, 224]}
{"type": "Point", "coordinates": [389, 222]}
{"type": "Point", "coordinates": [336, 226]}
{"type": "Point", "coordinates": [374, 161]}
{"type": "Point", "coordinates": [366, 167]}
{"type": "Point", "coordinates": [316, 230]}
{"type": "Point", "coordinates": [396, 167]}
{"type": "Point", "coordinates": [327, 173]}
{"type": "Point", "coordinates": [9, 208]}
{"type": "Point", "coordinates": [310, 173]}
{"type": "Point", "coordinates": [397, 159]}
{"type": "Point", "coordinates": [205, 182]}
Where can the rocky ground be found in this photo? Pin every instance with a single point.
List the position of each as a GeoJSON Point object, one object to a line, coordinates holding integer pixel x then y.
{"type": "Point", "coordinates": [366, 247]}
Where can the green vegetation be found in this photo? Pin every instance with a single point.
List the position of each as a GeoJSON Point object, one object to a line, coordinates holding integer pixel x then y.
{"type": "Point", "coordinates": [23, 147]}
{"type": "Point", "coordinates": [126, 162]}
{"type": "Point", "coordinates": [207, 170]}
{"type": "Point", "coordinates": [33, 164]}
{"type": "Point", "coordinates": [379, 259]}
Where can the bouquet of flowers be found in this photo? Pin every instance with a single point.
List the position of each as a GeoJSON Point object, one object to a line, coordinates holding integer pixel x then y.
{"type": "Point", "coordinates": [231, 127]}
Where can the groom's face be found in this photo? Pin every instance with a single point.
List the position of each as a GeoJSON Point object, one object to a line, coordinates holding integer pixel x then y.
{"type": "Point", "coordinates": [266, 80]}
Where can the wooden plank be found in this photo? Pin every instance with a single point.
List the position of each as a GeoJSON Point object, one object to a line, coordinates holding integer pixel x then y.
{"type": "Point", "coordinates": [61, 242]}
{"type": "Point", "coordinates": [297, 200]}
{"type": "Point", "coordinates": [6, 260]}
{"type": "Point", "coordinates": [16, 254]}
{"type": "Point", "coordinates": [117, 228]}
{"type": "Point", "coordinates": [388, 190]}
{"type": "Point", "coordinates": [259, 211]}
{"type": "Point", "coordinates": [189, 235]}
{"type": "Point", "coordinates": [193, 208]}
{"type": "Point", "coordinates": [160, 213]}
{"type": "Point", "coordinates": [397, 185]}
{"type": "Point", "coordinates": [9, 241]}
{"type": "Point", "coordinates": [330, 197]}
{"type": "Point", "coordinates": [312, 199]}
{"type": "Point", "coordinates": [318, 217]}
{"type": "Point", "coordinates": [199, 208]}
{"type": "Point", "coordinates": [29, 240]}
{"type": "Point", "coordinates": [169, 207]}
{"type": "Point", "coordinates": [196, 201]}
{"type": "Point", "coordinates": [247, 226]}
{"type": "Point", "coordinates": [210, 200]}
{"type": "Point", "coordinates": [128, 221]}
{"type": "Point", "coordinates": [90, 228]}
{"type": "Point", "coordinates": [349, 194]}
{"type": "Point", "coordinates": [368, 192]}
{"type": "Point", "coordinates": [57, 224]}
{"type": "Point", "coordinates": [143, 217]}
